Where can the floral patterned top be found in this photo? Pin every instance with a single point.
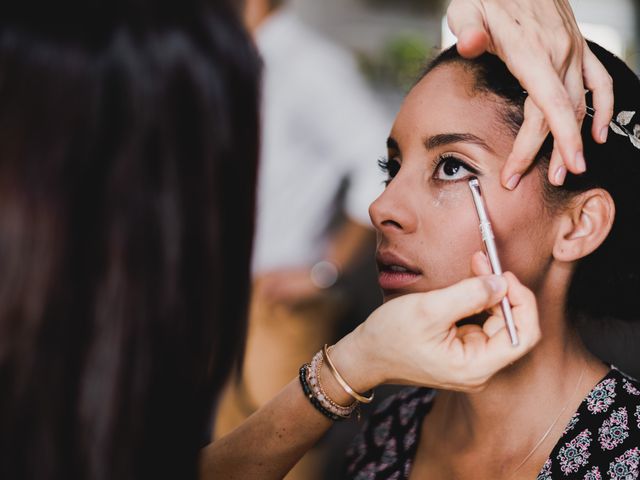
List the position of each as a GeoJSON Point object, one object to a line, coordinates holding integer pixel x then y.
{"type": "Point", "coordinates": [602, 440]}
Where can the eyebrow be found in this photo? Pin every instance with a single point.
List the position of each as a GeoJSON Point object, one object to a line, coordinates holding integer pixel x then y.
{"type": "Point", "coordinates": [443, 139]}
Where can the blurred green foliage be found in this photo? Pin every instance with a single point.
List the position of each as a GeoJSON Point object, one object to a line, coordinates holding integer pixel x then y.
{"type": "Point", "coordinates": [399, 62]}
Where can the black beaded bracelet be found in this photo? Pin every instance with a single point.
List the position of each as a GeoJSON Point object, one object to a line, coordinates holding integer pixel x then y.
{"type": "Point", "coordinates": [314, 401]}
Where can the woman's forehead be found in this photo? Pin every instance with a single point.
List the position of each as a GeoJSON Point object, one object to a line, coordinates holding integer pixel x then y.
{"type": "Point", "coordinates": [446, 100]}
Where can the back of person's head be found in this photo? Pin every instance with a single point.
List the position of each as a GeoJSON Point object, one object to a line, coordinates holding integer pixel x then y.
{"type": "Point", "coordinates": [128, 147]}
{"type": "Point", "coordinates": [605, 283]}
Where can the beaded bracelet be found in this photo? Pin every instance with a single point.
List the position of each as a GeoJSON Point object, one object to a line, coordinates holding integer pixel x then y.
{"type": "Point", "coordinates": [304, 371]}
{"type": "Point", "coordinates": [315, 382]}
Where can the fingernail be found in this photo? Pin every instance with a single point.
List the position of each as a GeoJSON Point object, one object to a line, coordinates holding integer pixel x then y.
{"type": "Point", "coordinates": [513, 182]}
{"type": "Point", "coordinates": [603, 134]}
{"type": "Point", "coordinates": [581, 166]}
{"type": "Point", "coordinates": [561, 173]}
{"type": "Point", "coordinates": [497, 283]}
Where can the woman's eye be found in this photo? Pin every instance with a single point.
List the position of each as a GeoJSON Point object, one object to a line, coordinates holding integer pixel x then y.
{"type": "Point", "coordinates": [452, 169]}
{"type": "Point", "coordinates": [390, 166]}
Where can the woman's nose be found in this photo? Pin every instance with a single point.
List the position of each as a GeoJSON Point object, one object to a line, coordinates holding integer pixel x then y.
{"type": "Point", "coordinates": [392, 211]}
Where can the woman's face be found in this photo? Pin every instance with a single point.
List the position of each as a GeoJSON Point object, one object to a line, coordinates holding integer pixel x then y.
{"type": "Point", "coordinates": [427, 225]}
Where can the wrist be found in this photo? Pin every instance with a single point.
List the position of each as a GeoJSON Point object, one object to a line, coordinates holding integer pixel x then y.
{"type": "Point", "coordinates": [353, 361]}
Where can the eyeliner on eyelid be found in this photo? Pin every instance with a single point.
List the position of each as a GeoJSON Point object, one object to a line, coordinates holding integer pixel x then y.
{"type": "Point", "coordinates": [441, 162]}
{"type": "Point", "coordinates": [441, 158]}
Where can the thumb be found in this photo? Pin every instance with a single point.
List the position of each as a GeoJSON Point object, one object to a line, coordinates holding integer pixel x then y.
{"type": "Point", "coordinates": [465, 298]}
{"type": "Point", "coordinates": [466, 21]}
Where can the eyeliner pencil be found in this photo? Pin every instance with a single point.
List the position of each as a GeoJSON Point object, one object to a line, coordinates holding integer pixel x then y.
{"type": "Point", "coordinates": [492, 252]}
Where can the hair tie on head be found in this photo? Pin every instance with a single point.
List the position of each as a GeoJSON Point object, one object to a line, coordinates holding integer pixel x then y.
{"type": "Point", "coordinates": [622, 126]}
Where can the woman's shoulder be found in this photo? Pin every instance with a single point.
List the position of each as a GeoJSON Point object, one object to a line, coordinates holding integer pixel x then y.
{"type": "Point", "coordinates": [388, 439]}
{"type": "Point", "coordinates": [630, 384]}
{"type": "Point", "coordinates": [602, 440]}
{"type": "Point", "coordinates": [616, 389]}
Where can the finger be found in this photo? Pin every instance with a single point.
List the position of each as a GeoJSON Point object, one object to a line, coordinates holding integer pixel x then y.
{"type": "Point", "coordinates": [598, 80]}
{"type": "Point", "coordinates": [557, 165]}
{"type": "Point", "coordinates": [499, 352]}
{"type": "Point", "coordinates": [472, 41]}
{"type": "Point", "coordinates": [480, 264]}
{"type": "Point", "coordinates": [465, 298]}
{"type": "Point", "coordinates": [474, 341]}
{"type": "Point", "coordinates": [496, 321]}
{"type": "Point", "coordinates": [466, 21]}
{"type": "Point", "coordinates": [557, 169]}
{"type": "Point", "coordinates": [540, 79]}
{"type": "Point", "coordinates": [518, 294]}
{"type": "Point", "coordinates": [494, 324]}
{"type": "Point", "coordinates": [531, 136]}
{"type": "Point", "coordinates": [525, 310]}
{"type": "Point", "coordinates": [575, 86]}
{"type": "Point", "coordinates": [469, 329]}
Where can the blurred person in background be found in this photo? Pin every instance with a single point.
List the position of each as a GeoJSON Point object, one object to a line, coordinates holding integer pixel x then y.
{"type": "Point", "coordinates": [321, 131]}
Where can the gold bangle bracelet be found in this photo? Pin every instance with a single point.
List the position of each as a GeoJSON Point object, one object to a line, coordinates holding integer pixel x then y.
{"type": "Point", "coordinates": [345, 386]}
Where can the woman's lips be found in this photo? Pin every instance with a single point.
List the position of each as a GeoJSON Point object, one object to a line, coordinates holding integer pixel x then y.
{"type": "Point", "coordinates": [392, 280]}
{"type": "Point", "coordinates": [395, 272]}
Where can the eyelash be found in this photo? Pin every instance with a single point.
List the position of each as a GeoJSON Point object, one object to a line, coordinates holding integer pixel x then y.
{"type": "Point", "coordinates": [441, 159]}
{"type": "Point", "coordinates": [391, 166]}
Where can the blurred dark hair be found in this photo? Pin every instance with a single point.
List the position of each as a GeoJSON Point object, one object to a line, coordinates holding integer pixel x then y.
{"type": "Point", "coordinates": [605, 283]}
{"type": "Point", "coordinates": [128, 147]}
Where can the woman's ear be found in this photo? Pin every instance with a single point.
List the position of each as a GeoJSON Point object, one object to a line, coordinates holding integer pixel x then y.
{"type": "Point", "coordinates": [584, 225]}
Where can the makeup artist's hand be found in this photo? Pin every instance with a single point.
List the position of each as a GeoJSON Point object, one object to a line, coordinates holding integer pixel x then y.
{"type": "Point", "coordinates": [541, 44]}
{"type": "Point", "coordinates": [414, 340]}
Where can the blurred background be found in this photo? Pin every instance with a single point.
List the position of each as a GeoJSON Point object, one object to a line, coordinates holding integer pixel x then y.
{"type": "Point", "coordinates": [314, 275]}
{"type": "Point", "coordinates": [392, 37]}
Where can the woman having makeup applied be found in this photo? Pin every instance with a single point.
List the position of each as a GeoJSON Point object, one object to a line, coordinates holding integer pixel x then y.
{"type": "Point", "coordinates": [558, 412]}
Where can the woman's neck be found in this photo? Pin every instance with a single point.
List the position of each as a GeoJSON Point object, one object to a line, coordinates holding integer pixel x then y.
{"type": "Point", "coordinates": [529, 393]}
{"type": "Point", "coordinates": [510, 416]}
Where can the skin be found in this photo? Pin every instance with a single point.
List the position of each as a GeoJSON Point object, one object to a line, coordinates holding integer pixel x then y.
{"type": "Point", "coordinates": [427, 218]}
{"type": "Point", "coordinates": [420, 227]}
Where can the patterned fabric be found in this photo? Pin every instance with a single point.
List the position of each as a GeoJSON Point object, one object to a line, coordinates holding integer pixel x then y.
{"type": "Point", "coordinates": [600, 442]}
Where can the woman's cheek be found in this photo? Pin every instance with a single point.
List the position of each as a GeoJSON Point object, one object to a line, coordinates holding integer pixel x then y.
{"type": "Point", "coordinates": [452, 196]}
{"type": "Point", "coordinates": [525, 246]}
